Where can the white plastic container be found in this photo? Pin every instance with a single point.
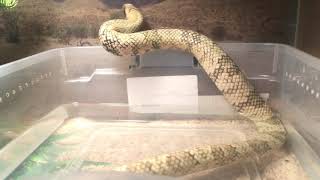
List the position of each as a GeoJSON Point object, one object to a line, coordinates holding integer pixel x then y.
{"type": "Point", "coordinates": [119, 110]}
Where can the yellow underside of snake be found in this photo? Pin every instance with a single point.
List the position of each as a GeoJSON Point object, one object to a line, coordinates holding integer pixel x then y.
{"type": "Point", "coordinates": [119, 37]}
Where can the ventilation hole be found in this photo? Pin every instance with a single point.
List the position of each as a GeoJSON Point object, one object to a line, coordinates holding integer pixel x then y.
{"type": "Point", "coordinates": [307, 87]}
{"type": "Point", "coordinates": [20, 87]}
{"type": "Point", "coordinates": [7, 94]}
{"type": "Point", "coordinates": [13, 92]}
{"type": "Point", "coordinates": [302, 84]}
{"type": "Point", "coordinates": [312, 91]}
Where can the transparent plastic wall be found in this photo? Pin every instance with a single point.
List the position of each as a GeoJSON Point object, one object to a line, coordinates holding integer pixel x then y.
{"type": "Point", "coordinates": [40, 93]}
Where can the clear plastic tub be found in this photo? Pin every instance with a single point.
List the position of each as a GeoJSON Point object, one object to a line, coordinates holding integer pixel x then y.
{"type": "Point", "coordinates": [79, 112]}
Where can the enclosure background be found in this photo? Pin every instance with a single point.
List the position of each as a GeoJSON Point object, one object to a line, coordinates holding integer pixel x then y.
{"type": "Point", "coordinates": [38, 25]}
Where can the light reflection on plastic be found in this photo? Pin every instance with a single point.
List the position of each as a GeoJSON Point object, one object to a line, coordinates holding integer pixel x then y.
{"type": "Point", "coordinates": [105, 71]}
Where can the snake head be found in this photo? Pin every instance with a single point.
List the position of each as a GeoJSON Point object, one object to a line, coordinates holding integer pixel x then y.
{"type": "Point", "coordinates": [127, 7]}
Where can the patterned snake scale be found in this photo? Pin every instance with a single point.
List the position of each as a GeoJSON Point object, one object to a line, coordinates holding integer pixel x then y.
{"type": "Point", "coordinates": [119, 37]}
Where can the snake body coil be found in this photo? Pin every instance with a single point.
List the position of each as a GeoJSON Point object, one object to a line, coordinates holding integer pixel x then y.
{"type": "Point", "coordinates": [120, 38]}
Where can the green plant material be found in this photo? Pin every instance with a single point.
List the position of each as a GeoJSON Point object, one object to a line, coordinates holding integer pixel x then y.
{"type": "Point", "coordinates": [8, 4]}
{"type": "Point", "coordinates": [43, 160]}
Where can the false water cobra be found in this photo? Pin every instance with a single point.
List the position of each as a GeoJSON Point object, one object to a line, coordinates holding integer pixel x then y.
{"type": "Point", "coordinates": [120, 37]}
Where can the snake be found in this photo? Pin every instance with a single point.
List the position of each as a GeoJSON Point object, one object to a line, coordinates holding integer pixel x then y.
{"type": "Point", "coordinates": [122, 37]}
